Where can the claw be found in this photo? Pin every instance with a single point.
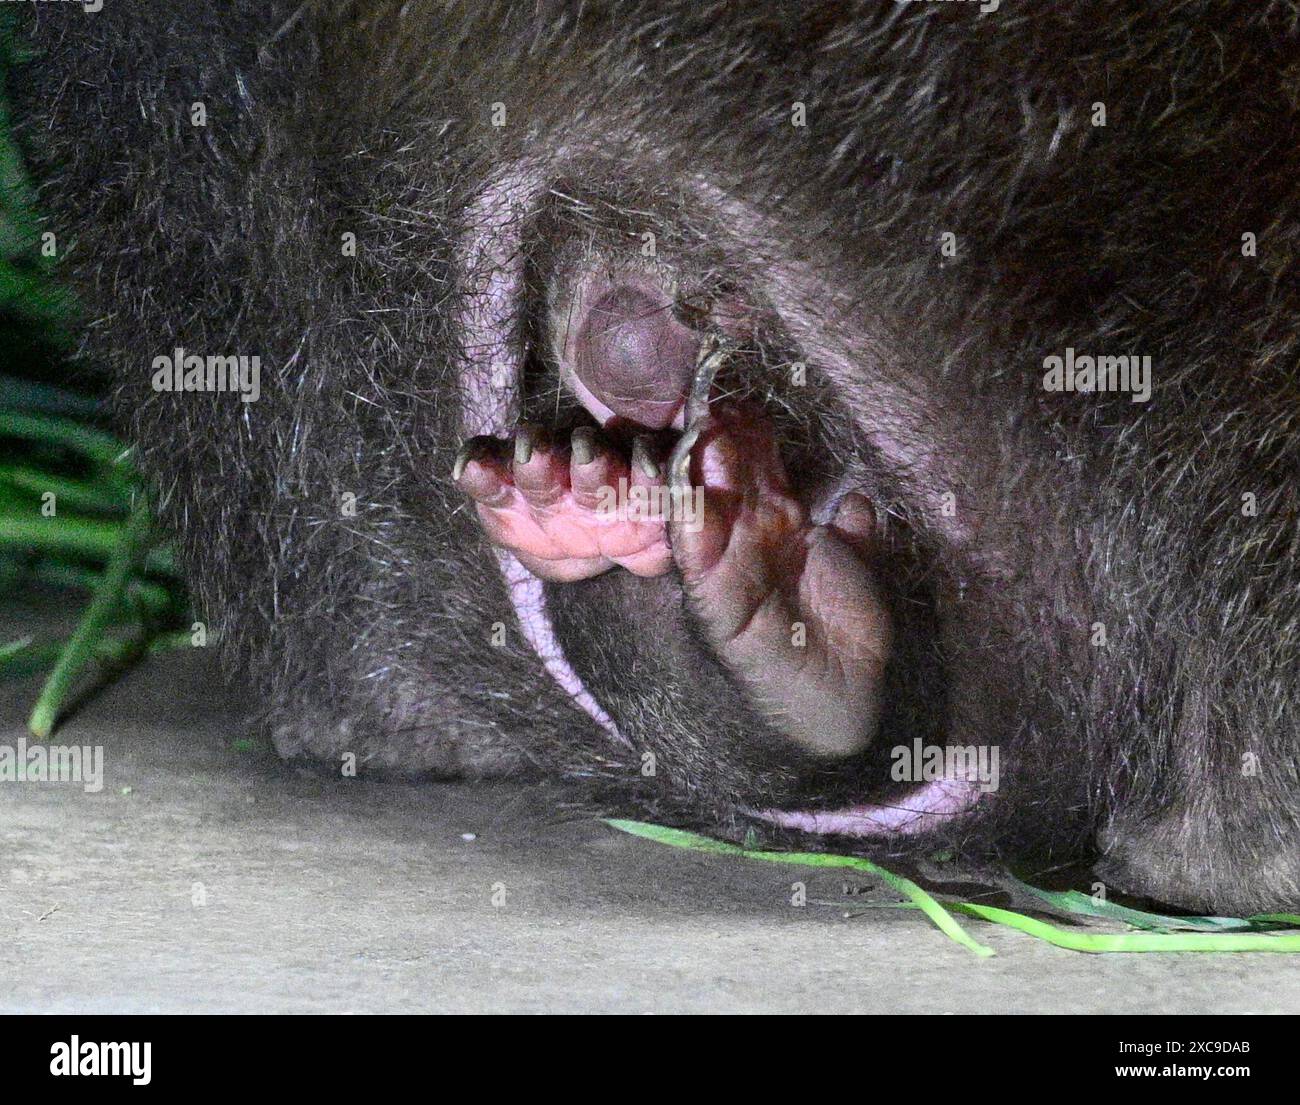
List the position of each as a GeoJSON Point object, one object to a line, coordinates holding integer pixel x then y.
{"type": "Point", "coordinates": [713, 351]}
{"type": "Point", "coordinates": [476, 448]}
{"type": "Point", "coordinates": [525, 441]}
{"type": "Point", "coordinates": [679, 461]}
{"type": "Point", "coordinates": [643, 459]}
{"type": "Point", "coordinates": [462, 459]}
{"type": "Point", "coordinates": [582, 442]}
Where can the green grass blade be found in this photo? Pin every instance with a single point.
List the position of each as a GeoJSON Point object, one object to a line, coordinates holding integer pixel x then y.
{"type": "Point", "coordinates": [1291, 919]}
{"type": "Point", "coordinates": [81, 646]}
{"type": "Point", "coordinates": [10, 649]}
{"type": "Point", "coordinates": [173, 641]}
{"type": "Point", "coordinates": [924, 901]}
{"type": "Point", "coordinates": [1075, 901]}
{"type": "Point", "coordinates": [1081, 940]}
{"type": "Point", "coordinates": [98, 446]}
{"type": "Point", "coordinates": [27, 657]}
{"type": "Point", "coordinates": [140, 596]}
{"type": "Point", "coordinates": [86, 537]}
{"type": "Point", "coordinates": [97, 498]}
{"type": "Point", "coordinates": [1227, 934]}
{"type": "Point", "coordinates": [32, 397]}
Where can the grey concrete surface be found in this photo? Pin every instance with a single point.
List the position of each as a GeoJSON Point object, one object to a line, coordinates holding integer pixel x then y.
{"type": "Point", "coordinates": [207, 876]}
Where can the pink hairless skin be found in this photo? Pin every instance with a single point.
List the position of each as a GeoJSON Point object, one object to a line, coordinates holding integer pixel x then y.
{"type": "Point", "coordinates": [756, 565]}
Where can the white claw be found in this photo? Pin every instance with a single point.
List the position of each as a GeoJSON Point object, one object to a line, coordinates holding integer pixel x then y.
{"type": "Point", "coordinates": [643, 459]}
{"type": "Point", "coordinates": [714, 351]}
{"type": "Point", "coordinates": [679, 461]}
{"type": "Point", "coordinates": [462, 459]}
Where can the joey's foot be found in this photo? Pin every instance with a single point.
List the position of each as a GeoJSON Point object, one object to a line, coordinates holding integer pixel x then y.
{"type": "Point", "coordinates": [572, 511]}
{"type": "Point", "coordinates": [792, 608]}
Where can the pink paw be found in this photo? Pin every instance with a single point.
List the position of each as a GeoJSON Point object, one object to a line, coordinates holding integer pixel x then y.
{"type": "Point", "coordinates": [568, 512]}
{"type": "Point", "coordinates": [791, 607]}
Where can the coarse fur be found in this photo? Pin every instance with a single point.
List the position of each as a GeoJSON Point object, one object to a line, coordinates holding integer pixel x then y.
{"type": "Point", "coordinates": [1018, 520]}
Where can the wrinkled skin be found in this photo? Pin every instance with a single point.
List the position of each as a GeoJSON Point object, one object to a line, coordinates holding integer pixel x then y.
{"type": "Point", "coordinates": [1102, 590]}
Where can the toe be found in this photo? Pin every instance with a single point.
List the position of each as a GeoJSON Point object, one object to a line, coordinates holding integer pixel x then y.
{"type": "Point", "coordinates": [646, 467]}
{"type": "Point", "coordinates": [594, 470]}
{"type": "Point", "coordinates": [540, 472]}
{"type": "Point", "coordinates": [481, 471]}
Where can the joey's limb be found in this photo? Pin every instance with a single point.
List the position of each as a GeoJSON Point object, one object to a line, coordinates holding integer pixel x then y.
{"type": "Point", "coordinates": [564, 512]}
{"type": "Point", "coordinates": [792, 608]}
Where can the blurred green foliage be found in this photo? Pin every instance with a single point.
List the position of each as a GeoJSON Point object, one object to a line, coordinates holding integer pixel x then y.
{"type": "Point", "coordinates": [73, 515]}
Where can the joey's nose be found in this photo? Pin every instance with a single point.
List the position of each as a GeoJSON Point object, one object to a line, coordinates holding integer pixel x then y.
{"type": "Point", "coordinates": [634, 357]}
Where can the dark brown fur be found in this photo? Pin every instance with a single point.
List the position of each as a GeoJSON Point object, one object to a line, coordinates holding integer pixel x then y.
{"type": "Point", "coordinates": [372, 633]}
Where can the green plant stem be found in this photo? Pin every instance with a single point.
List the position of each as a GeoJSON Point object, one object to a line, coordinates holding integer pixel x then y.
{"type": "Point", "coordinates": [140, 596]}
{"type": "Point", "coordinates": [81, 647]}
{"type": "Point", "coordinates": [77, 494]}
{"type": "Point", "coordinates": [922, 899]}
{"type": "Point", "coordinates": [95, 444]}
{"type": "Point", "coordinates": [1080, 940]}
{"type": "Point", "coordinates": [83, 536]}
{"type": "Point", "coordinates": [10, 649]}
{"type": "Point", "coordinates": [25, 657]}
{"type": "Point", "coordinates": [30, 397]}
{"type": "Point", "coordinates": [91, 538]}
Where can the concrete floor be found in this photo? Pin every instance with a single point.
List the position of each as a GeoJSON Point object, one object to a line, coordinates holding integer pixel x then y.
{"type": "Point", "coordinates": [206, 876]}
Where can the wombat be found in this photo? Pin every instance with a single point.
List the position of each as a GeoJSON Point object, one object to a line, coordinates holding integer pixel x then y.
{"type": "Point", "coordinates": [871, 420]}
